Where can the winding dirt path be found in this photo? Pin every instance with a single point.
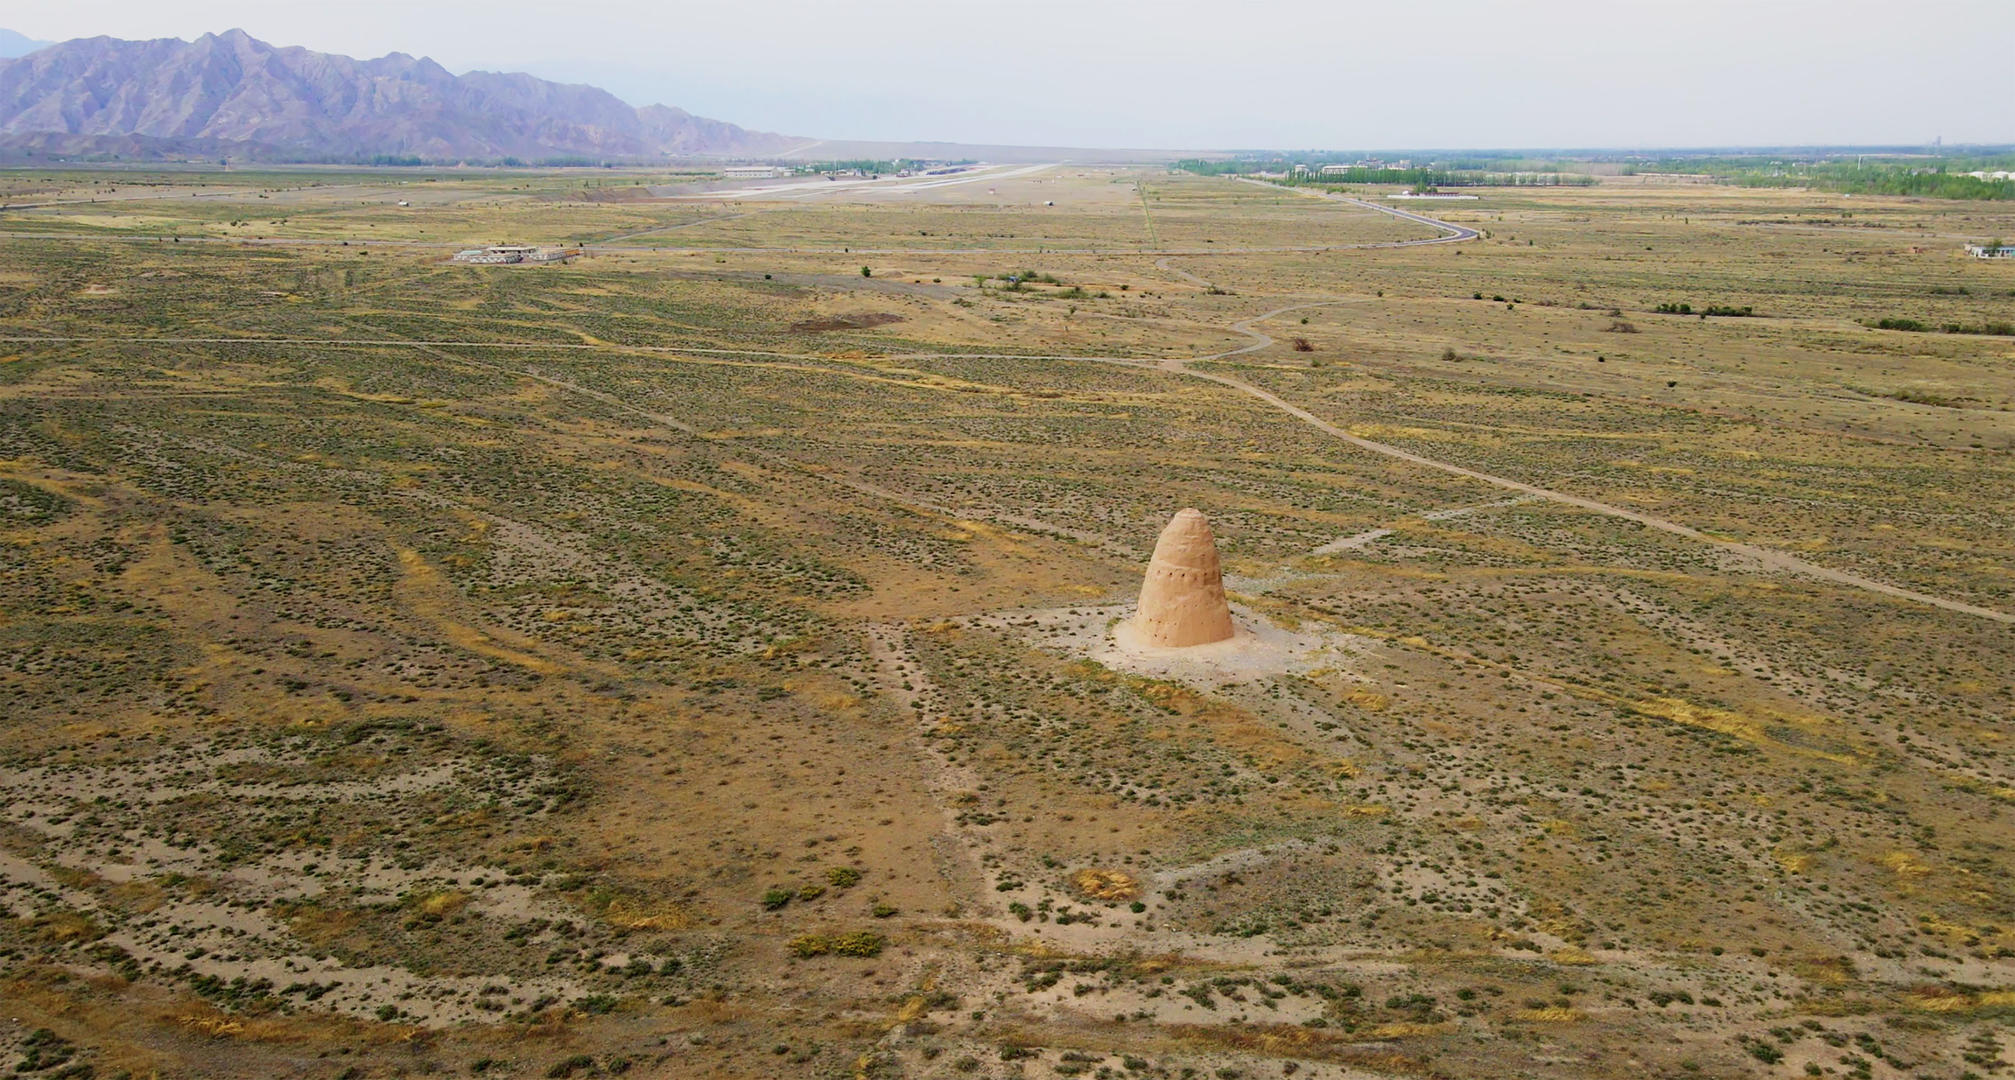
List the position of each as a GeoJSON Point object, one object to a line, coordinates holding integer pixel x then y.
{"type": "Point", "coordinates": [1768, 558]}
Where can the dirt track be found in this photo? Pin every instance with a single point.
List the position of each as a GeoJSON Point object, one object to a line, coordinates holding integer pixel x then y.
{"type": "Point", "coordinates": [1762, 557]}
{"type": "Point", "coordinates": [1767, 558]}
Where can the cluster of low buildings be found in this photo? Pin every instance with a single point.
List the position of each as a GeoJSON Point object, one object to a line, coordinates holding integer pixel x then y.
{"type": "Point", "coordinates": [1998, 174]}
{"type": "Point", "coordinates": [1991, 251]}
{"type": "Point", "coordinates": [498, 254]}
{"type": "Point", "coordinates": [1339, 168]}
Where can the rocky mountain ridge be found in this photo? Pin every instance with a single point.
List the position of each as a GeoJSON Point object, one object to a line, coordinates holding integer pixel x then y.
{"type": "Point", "coordinates": [231, 92]}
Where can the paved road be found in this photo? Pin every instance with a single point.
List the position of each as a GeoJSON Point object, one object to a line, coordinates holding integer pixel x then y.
{"type": "Point", "coordinates": [1456, 233]}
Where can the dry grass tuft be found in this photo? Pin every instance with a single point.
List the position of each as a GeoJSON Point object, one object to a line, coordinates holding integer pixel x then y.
{"type": "Point", "coordinates": [1945, 999]}
{"type": "Point", "coordinates": [215, 1027]}
{"type": "Point", "coordinates": [67, 927]}
{"type": "Point", "coordinates": [1100, 884]}
{"type": "Point", "coordinates": [1906, 865]}
{"type": "Point", "coordinates": [1552, 1014]}
{"type": "Point", "coordinates": [1288, 1040]}
{"type": "Point", "coordinates": [647, 915]}
{"type": "Point", "coordinates": [444, 903]}
{"type": "Point", "coordinates": [212, 1023]}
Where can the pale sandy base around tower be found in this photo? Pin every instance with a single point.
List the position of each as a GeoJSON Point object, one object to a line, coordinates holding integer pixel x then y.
{"type": "Point", "coordinates": [1257, 648]}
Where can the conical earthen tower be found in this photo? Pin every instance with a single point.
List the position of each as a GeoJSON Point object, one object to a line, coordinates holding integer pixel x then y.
{"type": "Point", "coordinates": [1182, 601]}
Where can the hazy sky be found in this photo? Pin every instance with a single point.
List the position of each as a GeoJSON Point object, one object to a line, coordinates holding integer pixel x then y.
{"type": "Point", "coordinates": [1342, 74]}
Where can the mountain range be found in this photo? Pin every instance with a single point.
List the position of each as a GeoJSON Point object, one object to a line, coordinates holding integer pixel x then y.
{"type": "Point", "coordinates": [232, 94]}
{"type": "Point", "coordinates": [13, 44]}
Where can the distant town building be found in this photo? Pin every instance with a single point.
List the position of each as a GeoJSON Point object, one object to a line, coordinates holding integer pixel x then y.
{"type": "Point", "coordinates": [1373, 164]}
{"type": "Point", "coordinates": [1991, 251]}
{"type": "Point", "coordinates": [498, 254]}
{"type": "Point", "coordinates": [1998, 174]}
{"type": "Point", "coordinates": [754, 172]}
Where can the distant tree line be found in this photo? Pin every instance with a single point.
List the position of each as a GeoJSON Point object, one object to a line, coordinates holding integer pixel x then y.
{"type": "Point", "coordinates": [1228, 168]}
{"type": "Point", "coordinates": [1919, 326]}
{"type": "Point", "coordinates": [1918, 174]}
{"type": "Point", "coordinates": [1417, 177]}
{"type": "Point", "coordinates": [1723, 311]}
{"type": "Point", "coordinates": [1881, 179]}
{"type": "Point", "coordinates": [877, 165]}
{"type": "Point", "coordinates": [861, 165]}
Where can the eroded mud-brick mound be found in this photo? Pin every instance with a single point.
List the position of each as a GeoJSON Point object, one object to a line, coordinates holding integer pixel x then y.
{"type": "Point", "coordinates": [1182, 601]}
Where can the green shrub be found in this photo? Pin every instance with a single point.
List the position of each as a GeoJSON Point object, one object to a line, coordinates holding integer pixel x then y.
{"type": "Point", "coordinates": [860, 943]}
{"type": "Point", "coordinates": [810, 945]}
{"type": "Point", "coordinates": [1991, 329]}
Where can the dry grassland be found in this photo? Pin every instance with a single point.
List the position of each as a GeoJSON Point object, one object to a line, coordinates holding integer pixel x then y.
{"type": "Point", "coordinates": [410, 668]}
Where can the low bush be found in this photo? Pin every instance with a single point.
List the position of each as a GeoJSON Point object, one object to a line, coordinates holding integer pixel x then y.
{"type": "Point", "coordinates": [858, 943]}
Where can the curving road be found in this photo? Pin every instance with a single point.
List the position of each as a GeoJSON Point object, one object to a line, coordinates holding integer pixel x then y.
{"type": "Point", "coordinates": [1456, 233]}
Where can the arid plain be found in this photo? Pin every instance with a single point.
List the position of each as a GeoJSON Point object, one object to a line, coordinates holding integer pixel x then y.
{"type": "Point", "coordinates": [687, 660]}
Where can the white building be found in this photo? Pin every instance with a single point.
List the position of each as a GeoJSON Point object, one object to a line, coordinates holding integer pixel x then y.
{"type": "Point", "coordinates": [754, 172]}
{"type": "Point", "coordinates": [500, 254]}
{"type": "Point", "coordinates": [1991, 251]}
